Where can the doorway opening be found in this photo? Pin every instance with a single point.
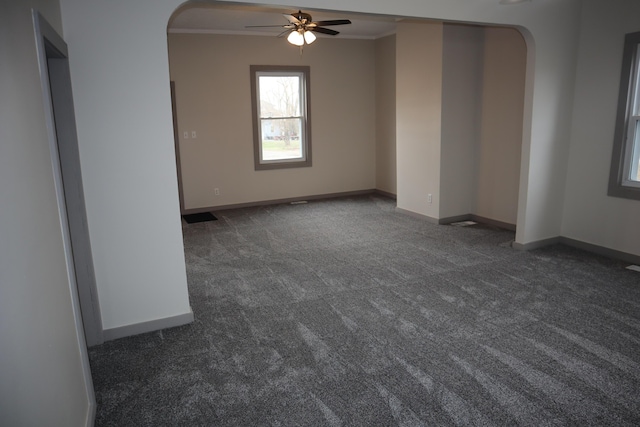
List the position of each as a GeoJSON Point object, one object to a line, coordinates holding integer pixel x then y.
{"type": "Point", "coordinates": [466, 164]}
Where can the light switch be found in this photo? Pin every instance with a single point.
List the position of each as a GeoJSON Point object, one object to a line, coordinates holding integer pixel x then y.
{"type": "Point", "coordinates": [186, 135]}
{"type": "Point", "coordinates": [193, 134]}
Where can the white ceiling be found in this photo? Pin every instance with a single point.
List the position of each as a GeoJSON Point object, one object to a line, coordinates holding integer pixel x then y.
{"type": "Point", "coordinates": [233, 19]}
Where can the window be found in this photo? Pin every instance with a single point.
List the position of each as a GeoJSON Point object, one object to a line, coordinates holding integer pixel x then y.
{"type": "Point", "coordinates": [281, 124]}
{"type": "Point", "coordinates": [624, 180]}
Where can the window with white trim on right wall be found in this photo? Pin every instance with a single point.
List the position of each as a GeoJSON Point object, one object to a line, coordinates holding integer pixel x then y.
{"type": "Point", "coordinates": [624, 179]}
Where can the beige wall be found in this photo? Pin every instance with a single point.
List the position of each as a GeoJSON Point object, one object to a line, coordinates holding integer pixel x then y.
{"type": "Point", "coordinates": [386, 114]}
{"type": "Point", "coordinates": [460, 115]}
{"type": "Point", "coordinates": [418, 115]}
{"type": "Point", "coordinates": [470, 132]}
{"type": "Point", "coordinates": [500, 144]}
{"type": "Point", "coordinates": [211, 73]}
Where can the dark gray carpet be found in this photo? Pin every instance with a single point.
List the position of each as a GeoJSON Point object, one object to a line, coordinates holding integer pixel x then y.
{"type": "Point", "coordinates": [346, 313]}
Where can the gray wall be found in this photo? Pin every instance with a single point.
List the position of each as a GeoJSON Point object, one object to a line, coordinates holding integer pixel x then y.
{"type": "Point", "coordinates": [41, 376]}
{"type": "Point", "coordinates": [482, 109]}
{"type": "Point", "coordinates": [589, 214]}
{"type": "Point", "coordinates": [386, 114]}
{"type": "Point", "coordinates": [462, 64]}
{"type": "Point", "coordinates": [128, 160]}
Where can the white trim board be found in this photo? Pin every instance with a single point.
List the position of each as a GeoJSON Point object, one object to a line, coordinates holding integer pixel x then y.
{"type": "Point", "coordinates": [51, 46]}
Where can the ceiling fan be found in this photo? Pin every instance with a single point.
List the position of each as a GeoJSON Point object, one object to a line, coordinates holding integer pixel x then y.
{"type": "Point", "coordinates": [301, 28]}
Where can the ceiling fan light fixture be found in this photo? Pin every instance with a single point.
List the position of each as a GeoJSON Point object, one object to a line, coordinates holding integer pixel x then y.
{"type": "Point", "coordinates": [295, 38]}
{"type": "Point", "coordinates": [302, 28]}
{"type": "Point", "coordinates": [309, 37]}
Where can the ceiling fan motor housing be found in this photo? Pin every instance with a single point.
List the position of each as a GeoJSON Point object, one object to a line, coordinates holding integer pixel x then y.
{"type": "Point", "coordinates": [304, 18]}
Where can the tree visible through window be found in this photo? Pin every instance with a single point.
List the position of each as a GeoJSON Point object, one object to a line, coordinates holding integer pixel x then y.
{"type": "Point", "coordinates": [280, 101]}
{"type": "Point", "coordinates": [624, 180]}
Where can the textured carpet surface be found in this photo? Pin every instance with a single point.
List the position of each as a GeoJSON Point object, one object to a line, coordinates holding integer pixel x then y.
{"type": "Point", "coordinates": [345, 312]}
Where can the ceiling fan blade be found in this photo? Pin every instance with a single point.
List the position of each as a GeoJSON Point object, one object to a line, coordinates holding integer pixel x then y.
{"type": "Point", "coordinates": [282, 34]}
{"type": "Point", "coordinates": [323, 31]}
{"type": "Point", "coordinates": [292, 19]}
{"type": "Point", "coordinates": [270, 26]}
{"type": "Point", "coordinates": [332, 22]}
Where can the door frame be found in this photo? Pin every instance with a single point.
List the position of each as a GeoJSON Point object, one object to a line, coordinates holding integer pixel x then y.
{"type": "Point", "coordinates": [55, 81]}
{"type": "Point", "coordinates": [176, 141]}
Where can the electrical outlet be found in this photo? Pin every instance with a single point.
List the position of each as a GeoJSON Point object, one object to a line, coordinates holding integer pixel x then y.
{"type": "Point", "coordinates": [193, 134]}
{"type": "Point", "coordinates": [429, 198]}
{"type": "Point", "coordinates": [216, 191]}
{"type": "Point", "coordinates": [186, 135]}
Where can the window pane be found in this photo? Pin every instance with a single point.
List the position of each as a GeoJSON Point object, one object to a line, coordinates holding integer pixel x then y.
{"type": "Point", "coordinates": [624, 175]}
{"type": "Point", "coordinates": [280, 104]}
{"type": "Point", "coordinates": [635, 108]}
{"type": "Point", "coordinates": [634, 174]}
{"type": "Point", "coordinates": [279, 96]}
{"type": "Point", "coordinates": [282, 139]}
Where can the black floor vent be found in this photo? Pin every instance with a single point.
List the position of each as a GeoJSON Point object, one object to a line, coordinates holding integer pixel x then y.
{"type": "Point", "coordinates": [199, 217]}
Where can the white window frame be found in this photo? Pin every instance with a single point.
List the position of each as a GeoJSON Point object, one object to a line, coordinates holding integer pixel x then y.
{"type": "Point", "coordinates": [303, 72]}
{"type": "Point", "coordinates": [626, 147]}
